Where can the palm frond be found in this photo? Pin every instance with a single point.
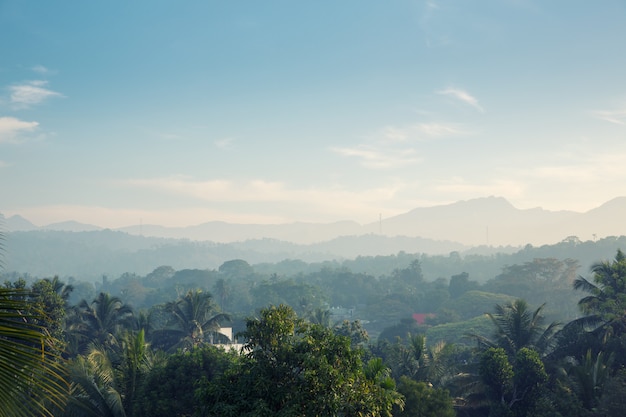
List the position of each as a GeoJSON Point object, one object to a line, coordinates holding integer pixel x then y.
{"type": "Point", "coordinates": [31, 378]}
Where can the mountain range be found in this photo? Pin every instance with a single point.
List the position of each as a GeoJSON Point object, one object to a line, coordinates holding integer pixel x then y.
{"type": "Point", "coordinates": [490, 221]}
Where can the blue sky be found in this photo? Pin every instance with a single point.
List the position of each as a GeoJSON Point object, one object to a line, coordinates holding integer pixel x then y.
{"type": "Point", "coordinates": [178, 113]}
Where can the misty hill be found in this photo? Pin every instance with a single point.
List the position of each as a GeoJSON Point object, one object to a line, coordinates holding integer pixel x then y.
{"type": "Point", "coordinates": [89, 255]}
{"type": "Point", "coordinates": [494, 221]}
{"type": "Point", "coordinates": [227, 232]}
{"type": "Point", "coordinates": [490, 221]}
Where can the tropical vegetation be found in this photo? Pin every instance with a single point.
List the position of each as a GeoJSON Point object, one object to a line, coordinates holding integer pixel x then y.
{"type": "Point", "coordinates": [404, 345]}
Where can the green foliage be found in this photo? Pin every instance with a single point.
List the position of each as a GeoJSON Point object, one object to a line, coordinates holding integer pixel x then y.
{"type": "Point", "coordinates": [187, 322]}
{"type": "Point", "coordinates": [530, 372]}
{"type": "Point", "coordinates": [31, 378]}
{"type": "Point", "coordinates": [100, 321]}
{"type": "Point", "coordinates": [474, 303]}
{"type": "Point", "coordinates": [170, 390]}
{"type": "Point", "coordinates": [457, 332]}
{"type": "Point", "coordinates": [516, 327]}
{"type": "Point", "coordinates": [512, 386]}
{"type": "Point", "coordinates": [521, 280]}
{"type": "Point", "coordinates": [422, 400]}
{"type": "Point", "coordinates": [496, 373]}
{"type": "Point", "coordinates": [106, 381]}
{"type": "Point", "coordinates": [460, 284]}
{"type": "Point", "coordinates": [300, 296]}
{"type": "Point", "coordinates": [94, 390]}
{"type": "Point", "coordinates": [354, 331]}
{"type": "Point", "coordinates": [613, 401]}
{"type": "Point", "coordinates": [236, 268]}
{"type": "Point", "coordinates": [606, 302]}
{"type": "Point", "coordinates": [589, 376]}
{"type": "Point", "coordinates": [294, 368]}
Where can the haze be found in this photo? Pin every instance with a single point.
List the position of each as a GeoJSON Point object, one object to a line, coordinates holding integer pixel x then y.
{"type": "Point", "coordinates": [177, 113]}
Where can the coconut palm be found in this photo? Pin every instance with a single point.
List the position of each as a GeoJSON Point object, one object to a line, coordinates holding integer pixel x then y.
{"type": "Point", "coordinates": [94, 390]}
{"type": "Point", "coordinates": [105, 381]}
{"type": "Point", "coordinates": [135, 361]}
{"type": "Point", "coordinates": [606, 303]}
{"type": "Point", "coordinates": [101, 322]}
{"type": "Point", "coordinates": [516, 326]}
{"type": "Point", "coordinates": [192, 318]}
{"type": "Point", "coordinates": [322, 317]}
{"type": "Point", "coordinates": [589, 376]}
{"type": "Point", "coordinates": [31, 380]}
{"type": "Point", "coordinates": [420, 362]}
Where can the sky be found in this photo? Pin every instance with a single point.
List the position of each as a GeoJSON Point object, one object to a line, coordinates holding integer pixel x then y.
{"type": "Point", "coordinates": [116, 113]}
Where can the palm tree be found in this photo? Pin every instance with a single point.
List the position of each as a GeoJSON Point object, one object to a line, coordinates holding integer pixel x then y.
{"type": "Point", "coordinates": [31, 379]}
{"type": "Point", "coordinates": [589, 376]}
{"type": "Point", "coordinates": [376, 372]}
{"type": "Point", "coordinates": [422, 363]}
{"type": "Point", "coordinates": [105, 381]}
{"type": "Point", "coordinates": [135, 362]}
{"type": "Point", "coordinates": [101, 321]}
{"type": "Point", "coordinates": [94, 390]}
{"type": "Point", "coordinates": [516, 326]}
{"type": "Point", "coordinates": [322, 317]}
{"type": "Point", "coordinates": [606, 302]}
{"type": "Point", "coordinates": [64, 290]}
{"type": "Point", "coordinates": [191, 319]}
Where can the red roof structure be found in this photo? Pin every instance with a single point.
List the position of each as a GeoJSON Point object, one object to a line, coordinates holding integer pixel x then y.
{"type": "Point", "coordinates": [420, 317]}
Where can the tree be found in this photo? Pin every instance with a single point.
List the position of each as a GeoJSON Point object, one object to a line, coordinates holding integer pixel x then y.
{"type": "Point", "coordinates": [323, 317]}
{"type": "Point", "coordinates": [169, 390]}
{"type": "Point", "coordinates": [510, 367]}
{"type": "Point", "coordinates": [460, 284]}
{"type": "Point", "coordinates": [512, 387]}
{"type": "Point", "coordinates": [606, 302]}
{"type": "Point", "coordinates": [31, 381]}
{"type": "Point", "coordinates": [190, 320]}
{"type": "Point", "coordinates": [50, 297]}
{"type": "Point", "coordinates": [354, 331]}
{"type": "Point", "coordinates": [423, 400]}
{"type": "Point", "coordinates": [94, 390]}
{"type": "Point", "coordinates": [236, 268]}
{"type": "Point", "coordinates": [603, 328]}
{"type": "Point", "coordinates": [516, 327]}
{"type": "Point", "coordinates": [101, 321]}
{"type": "Point", "coordinates": [294, 368]}
{"type": "Point", "coordinates": [105, 382]}
{"type": "Point", "coordinates": [589, 376]}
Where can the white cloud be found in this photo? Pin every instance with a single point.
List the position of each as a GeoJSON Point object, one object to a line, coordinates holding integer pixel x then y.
{"type": "Point", "coordinates": [462, 96]}
{"type": "Point", "coordinates": [463, 189]}
{"type": "Point", "coordinates": [40, 69]}
{"type": "Point", "coordinates": [30, 93]}
{"type": "Point", "coordinates": [12, 130]}
{"type": "Point", "coordinates": [440, 129]}
{"type": "Point", "coordinates": [419, 132]}
{"type": "Point", "coordinates": [616, 116]}
{"type": "Point", "coordinates": [372, 157]}
{"type": "Point", "coordinates": [225, 143]}
{"type": "Point", "coordinates": [238, 199]}
{"type": "Point", "coordinates": [395, 134]}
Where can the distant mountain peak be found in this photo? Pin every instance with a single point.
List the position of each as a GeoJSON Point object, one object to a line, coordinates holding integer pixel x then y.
{"type": "Point", "coordinates": [71, 226]}
{"type": "Point", "coordinates": [17, 223]}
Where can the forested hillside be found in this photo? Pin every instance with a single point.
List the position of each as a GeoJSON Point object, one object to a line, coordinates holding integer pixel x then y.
{"type": "Point", "coordinates": [536, 339]}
